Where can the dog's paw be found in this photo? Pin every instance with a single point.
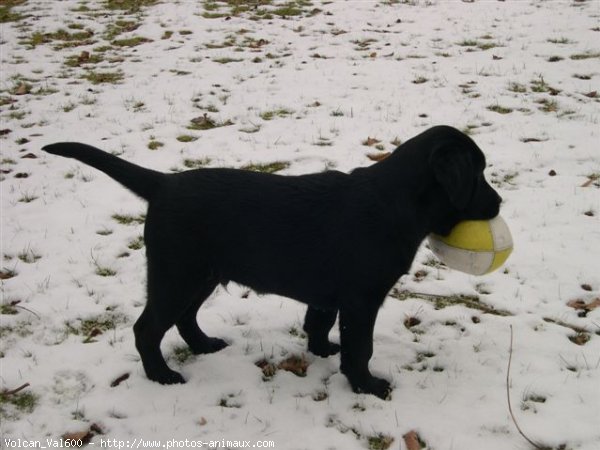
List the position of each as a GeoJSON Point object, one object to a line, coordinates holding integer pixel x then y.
{"type": "Point", "coordinates": [323, 350]}
{"type": "Point", "coordinates": [170, 377]}
{"type": "Point", "coordinates": [209, 345]}
{"type": "Point", "coordinates": [376, 386]}
{"type": "Point", "coordinates": [216, 344]}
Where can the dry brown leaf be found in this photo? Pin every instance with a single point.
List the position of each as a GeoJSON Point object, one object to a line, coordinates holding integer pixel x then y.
{"type": "Point", "coordinates": [581, 304]}
{"type": "Point", "coordinates": [83, 436]}
{"type": "Point", "coordinates": [22, 89]}
{"type": "Point", "coordinates": [412, 440]}
{"type": "Point", "coordinates": [370, 142]}
{"type": "Point", "coordinates": [588, 183]}
{"type": "Point", "coordinates": [295, 364]}
{"type": "Point", "coordinates": [378, 156]}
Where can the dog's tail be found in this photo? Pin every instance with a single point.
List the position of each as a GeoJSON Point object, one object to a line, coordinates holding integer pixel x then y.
{"type": "Point", "coordinates": [141, 181]}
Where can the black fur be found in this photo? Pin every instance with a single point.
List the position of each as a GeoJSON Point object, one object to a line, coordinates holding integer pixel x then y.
{"type": "Point", "coordinates": [337, 242]}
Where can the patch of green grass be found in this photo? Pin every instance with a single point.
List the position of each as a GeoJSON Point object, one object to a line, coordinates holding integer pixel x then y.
{"type": "Point", "coordinates": [250, 129]}
{"type": "Point", "coordinates": [83, 58]}
{"type": "Point", "coordinates": [119, 27]}
{"type": "Point", "coordinates": [6, 101]}
{"type": "Point", "coordinates": [215, 15]}
{"type": "Point", "coordinates": [180, 73]}
{"type": "Point", "coordinates": [561, 40]}
{"type": "Point", "coordinates": [226, 60]}
{"type": "Point", "coordinates": [104, 271]}
{"type": "Point", "coordinates": [500, 109]}
{"type": "Point", "coordinates": [539, 85]}
{"type": "Point", "coordinates": [17, 115]}
{"type": "Point", "coordinates": [582, 76]}
{"type": "Point", "coordinates": [27, 198]}
{"type": "Point", "coordinates": [136, 244]}
{"type": "Point", "coordinates": [155, 145]}
{"type": "Point", "coordinates": [7, 14]}
{"type": "Point", "coordinates": [67, 38]}
{"type": "Point", "coordinates": [501, 180]}
{"type": "Point", "coordinates": [473, 43]}
{"type": "Point", "coordinates": [288, 10]}
{"type": "Point", "coordinates": [134, 105]}
{"type": "Point", "coordinates": [129, 219]}
{"type": "Point", "coordinates": [28, 256]}
{"type": "Point", "coordinates": [258, 9]}
{"type": "Point", "coordinates": [280, 112]}
{"type": "Point", "coordinates": [8, 309]}
{"type": "Point", "coordinates": [363, 44]}
{"type": "Point", "coordinates": [467, 43]}
{"type": "Point", "coordinates": [230, 41]}
{"type": "Point", "coordinates": [95, 326]}
{"type": "Point", "coordinates": [196, 163]}
{"type": "Point", "coordinates": [23, 402]}
{"type": "Point", "coordinates": [103, 48]}
{"type": "Point", "coordinates": [129, 5]}
{"type": "Point", "coordinates": [323, 142]}
{"type": "Point", "coordinates": [267, 167]}
{"type": "Point", "coordinates": [517, 87]}
{"type": "Point", "coordinates": [104, 77]}
{"type": "Point", "coordinates": [204, 123]}
{"type": "Point", "coordinates": [548, 105]}
{"type": "Point", "coordinates": [586, 55]}
{"type": "Point", "coordinates": [21, 328]}
{"type": "Point", "coordinates": [186, 138]}
{"type": "Point", "coordinates": [182, 354]}
{"type": "Point", "coordinates": [70, 106]}
{"type": "Point", "coordinates": [130, 42]}
{"type": "Point", "coordinates": [487, 45]}
{"type": "Point", "coordinates": [379, 441]}
{"type": "Point", "coordinates": [45, 90]}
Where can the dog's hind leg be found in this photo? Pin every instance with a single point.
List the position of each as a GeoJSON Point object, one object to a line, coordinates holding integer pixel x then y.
{"type": "Point", "coordinates": [189, 329]}
{"type": "Point", "coordinates": [170, 294]}
{"type": "Point", "coordinates": [317, 324]}
{"type": "Point", "coordinates": [149, 330]}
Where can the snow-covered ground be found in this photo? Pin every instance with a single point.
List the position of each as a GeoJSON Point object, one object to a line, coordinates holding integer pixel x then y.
{"type": "Point", "coordinates": [316, 86]}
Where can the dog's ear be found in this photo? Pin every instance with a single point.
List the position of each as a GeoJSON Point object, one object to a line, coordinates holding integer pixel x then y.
{"type": "Point", "coordinates": [453, 169]}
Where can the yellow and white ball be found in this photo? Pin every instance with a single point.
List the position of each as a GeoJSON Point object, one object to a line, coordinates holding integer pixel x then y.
{"type": "Point", "coordinates": [475, 247]}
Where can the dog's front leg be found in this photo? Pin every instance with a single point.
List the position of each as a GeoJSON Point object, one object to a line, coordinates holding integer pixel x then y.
{"type": "Point", "coordinates": [356, 333]}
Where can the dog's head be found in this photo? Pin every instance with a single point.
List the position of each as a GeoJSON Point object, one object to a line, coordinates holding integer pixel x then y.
{"type": "Point", "coordinates": [460, 190]}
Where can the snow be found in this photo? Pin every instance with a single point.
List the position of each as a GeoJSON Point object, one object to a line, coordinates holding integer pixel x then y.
{"type": "Point", "coordinates": [338, 89]}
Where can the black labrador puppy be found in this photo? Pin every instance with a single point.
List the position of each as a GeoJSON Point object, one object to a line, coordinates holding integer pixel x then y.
{"type": "Point", "coordinates": [337, 242]}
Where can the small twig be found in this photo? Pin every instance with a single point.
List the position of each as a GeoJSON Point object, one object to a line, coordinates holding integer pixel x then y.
{"type": "Point", "coordinates": [28, 310]}
{"type": "Point", "coordinates": [510, 352]}
{"type": "Point", "coordinates": [15, 391]}
{"type": "Point", "coordinates": [117, 381]}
